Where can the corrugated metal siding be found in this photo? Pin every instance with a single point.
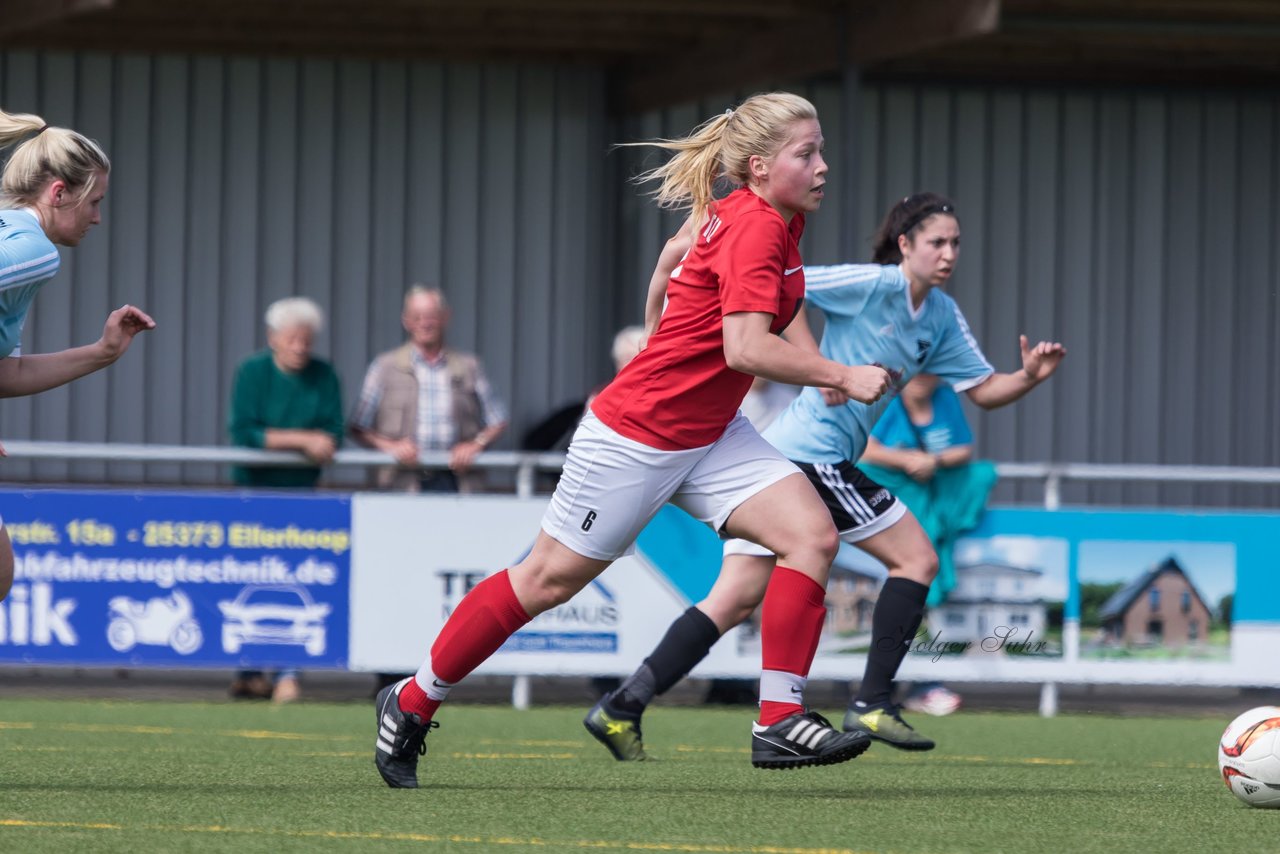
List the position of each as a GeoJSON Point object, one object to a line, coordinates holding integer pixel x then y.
{"type": "Point", "coordinates": [237, 181]}
{"type": "Point", "coordinates": [1138, 227]}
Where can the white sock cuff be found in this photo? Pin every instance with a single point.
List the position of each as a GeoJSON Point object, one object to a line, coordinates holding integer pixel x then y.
{"type": "Point", "coordinates": [435, 687]}
{"type": "Point", "coordinates": [777, 686]}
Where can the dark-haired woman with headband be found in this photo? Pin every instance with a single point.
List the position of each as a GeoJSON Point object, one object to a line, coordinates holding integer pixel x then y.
{"type": "Point", "coordinates": [52, 186]}
{"type": "Point", "coordinates": [894, 314]}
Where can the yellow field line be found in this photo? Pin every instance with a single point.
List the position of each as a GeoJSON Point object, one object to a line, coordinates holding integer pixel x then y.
{"type": "Point", "coordinates": [69, 825]}
{"type": "Point", "coordinates": [515, 755]}
{"type": "Point", "coordinates": [679, 748]}
{"type": "Point", "coordinates": [457, 839]}
{"type": "Point", "coordinates": [137, 729]}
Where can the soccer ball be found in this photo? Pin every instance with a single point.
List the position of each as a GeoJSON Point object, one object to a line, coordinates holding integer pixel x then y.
{"type": "Point", "coordinates": [1249, 757]}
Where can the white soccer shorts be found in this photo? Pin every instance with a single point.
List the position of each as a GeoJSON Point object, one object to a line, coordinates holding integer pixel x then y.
{"type": "Point", "coordinates": [612, 486]}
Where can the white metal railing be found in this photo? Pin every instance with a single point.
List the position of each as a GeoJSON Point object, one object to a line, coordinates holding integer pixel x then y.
{"type": "Point", "coordinates": [526, 464]}
{"type": "Point", "coordinates": [1055, 474]}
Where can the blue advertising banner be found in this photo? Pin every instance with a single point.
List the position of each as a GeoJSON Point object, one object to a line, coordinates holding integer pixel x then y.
{"type": "Point", "coordinates": [179, 579]}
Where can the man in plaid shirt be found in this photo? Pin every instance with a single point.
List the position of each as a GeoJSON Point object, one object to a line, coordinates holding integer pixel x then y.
{"type": "Point", "coordinates": [424, 396]}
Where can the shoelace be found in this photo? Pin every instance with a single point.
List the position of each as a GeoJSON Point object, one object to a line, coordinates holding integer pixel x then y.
{"type": "Point", "coordinates": [895, 712]}
{"type": "Point", "coordinates": [818, 719]}
{"type": "Point", "coordinates": [417, 739]}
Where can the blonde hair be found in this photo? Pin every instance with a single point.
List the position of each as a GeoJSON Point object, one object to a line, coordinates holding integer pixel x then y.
{"type": "Point", "coordinates": [294, 311]}
{"type": "Point", "coordinates": [723, 146]}
{"type": "Point", "coordinates": [52, 153]}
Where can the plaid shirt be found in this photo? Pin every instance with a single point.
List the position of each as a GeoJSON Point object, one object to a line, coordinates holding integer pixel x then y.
{"type": "Point", "coordinates": [437, 430]}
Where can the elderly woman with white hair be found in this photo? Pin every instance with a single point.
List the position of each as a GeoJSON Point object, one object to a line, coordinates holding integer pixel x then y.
{"type": "Point", "coordinates": [285, 398]}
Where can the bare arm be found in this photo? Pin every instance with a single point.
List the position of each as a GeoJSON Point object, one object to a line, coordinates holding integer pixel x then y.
{"type": "Point", "coordinates": [317, 445]}
{"type": "Point", "coordinates": [23, 375]}
{"type": "Point", "coordinates": [749, 347]}
{"type": "Point", "coordinates": [668, 260]}
{"type": "Point", "coordinates": [404, 450]}
{"type": "Point", "coordinates": [956, 455]}
{"type": "Point", "coordinates": [464, 453]}
{"type": "Point", "coordinates": [1038, 364]}
{"type": "Point", "coordinates": [800, 334]}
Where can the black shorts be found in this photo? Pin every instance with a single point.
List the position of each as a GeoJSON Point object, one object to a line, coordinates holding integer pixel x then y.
{"type": "Point", "coordinates": [860, 507]}
{"type": "Point", "coordinates": [855, 500]}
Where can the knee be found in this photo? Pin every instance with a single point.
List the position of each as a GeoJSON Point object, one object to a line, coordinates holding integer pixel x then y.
{"type": "Point", "coordinates": [827, 543]}
{"type": "Point", "coordinates": [923, 566]}
{"type": "Point", "coordinates": [540, 588]}
{"type": "Point", "coordinates": [817, 545]}
{"type": "Point", "coordinates": [549, 593]}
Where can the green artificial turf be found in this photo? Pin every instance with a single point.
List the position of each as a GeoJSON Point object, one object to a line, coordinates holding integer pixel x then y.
{"type": "Point", "coordinates": [130, 777]}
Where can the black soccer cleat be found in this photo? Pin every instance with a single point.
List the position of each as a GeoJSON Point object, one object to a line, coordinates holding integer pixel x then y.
{"type": "Point", "coordinates": [805, 738]}
{"type": "Point", "coordinates": [401, 739]}
{"type": "Point", "coordinates": [617, 731]}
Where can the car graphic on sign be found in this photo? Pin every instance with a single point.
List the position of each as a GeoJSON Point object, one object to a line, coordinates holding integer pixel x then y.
{"type": "Point", "coordinates": [284, 614]}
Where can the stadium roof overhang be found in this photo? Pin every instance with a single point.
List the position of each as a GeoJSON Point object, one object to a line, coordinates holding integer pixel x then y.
{"type": "Point", "coordinates": [662, 52]}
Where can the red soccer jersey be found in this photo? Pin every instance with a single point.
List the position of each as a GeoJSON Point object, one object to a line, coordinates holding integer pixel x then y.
{"type": "Point", "coordinates": [679, 393]}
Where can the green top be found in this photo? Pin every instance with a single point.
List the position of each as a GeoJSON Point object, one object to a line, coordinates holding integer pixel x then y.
{"type": "Point", "coordinates": [266, 397]}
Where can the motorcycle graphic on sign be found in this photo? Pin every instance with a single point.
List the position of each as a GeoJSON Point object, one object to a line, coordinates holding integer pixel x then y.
{"type": "Point", "coordinates": [162, 621]}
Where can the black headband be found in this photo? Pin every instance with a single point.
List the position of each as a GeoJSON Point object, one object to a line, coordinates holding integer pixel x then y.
{"type": "Point", "coordinates": [924, 214]}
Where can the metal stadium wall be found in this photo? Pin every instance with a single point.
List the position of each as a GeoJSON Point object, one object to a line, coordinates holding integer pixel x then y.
{"type": "Point", "coordinates": [237, 181]}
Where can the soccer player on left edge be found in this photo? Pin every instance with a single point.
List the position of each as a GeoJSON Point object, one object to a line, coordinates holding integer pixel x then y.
{"type": "Point", "coordinates": [52, 186]}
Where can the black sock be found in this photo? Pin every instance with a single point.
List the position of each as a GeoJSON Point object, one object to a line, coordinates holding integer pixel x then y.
{"type": "Point", "coordinates": [686, 642]}
{"type": "Point", "coordinates": [894, 624]}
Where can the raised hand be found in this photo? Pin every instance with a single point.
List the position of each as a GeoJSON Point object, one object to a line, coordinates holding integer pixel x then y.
{"type": "Point", "coordinates": [405, 451]}
{"type": "Point", "coordinates": [1041, 361]}
{"type": "Point", "coordinates": [122, 325]}
{"type": "Point", "coordinates": [320, 447]}
{"type": "Point", "coordinates": [920, 466]}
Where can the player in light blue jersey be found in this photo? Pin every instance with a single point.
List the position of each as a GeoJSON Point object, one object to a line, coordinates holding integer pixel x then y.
{"type": "Point", "coordinates": [892, 314]}
{"type": "Point", "coordinates": [52, 188]}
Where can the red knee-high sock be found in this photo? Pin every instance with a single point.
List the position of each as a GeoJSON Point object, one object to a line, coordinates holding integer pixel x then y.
{"type": "Point", "coordinates": [790, 626]}
{"type": "Point", "coordinates": [481, 623]}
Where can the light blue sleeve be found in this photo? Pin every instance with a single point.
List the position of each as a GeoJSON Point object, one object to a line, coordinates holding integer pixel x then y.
{"type": "Point", "coordinates": [843, 289]}
{"type": "Point", "coordinates": [957, 359]}
{"type": "Point", "coordinates": [27, 261]}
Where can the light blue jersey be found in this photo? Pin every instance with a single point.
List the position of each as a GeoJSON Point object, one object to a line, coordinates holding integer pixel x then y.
{"type": "Point", "coordinates": [870, 320]}
{"type": "Point", "coordinates": [27, 260]}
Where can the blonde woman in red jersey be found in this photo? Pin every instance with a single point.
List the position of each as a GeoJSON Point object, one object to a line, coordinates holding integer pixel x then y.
{"type": "Point", "coordinates": [667, 429]}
